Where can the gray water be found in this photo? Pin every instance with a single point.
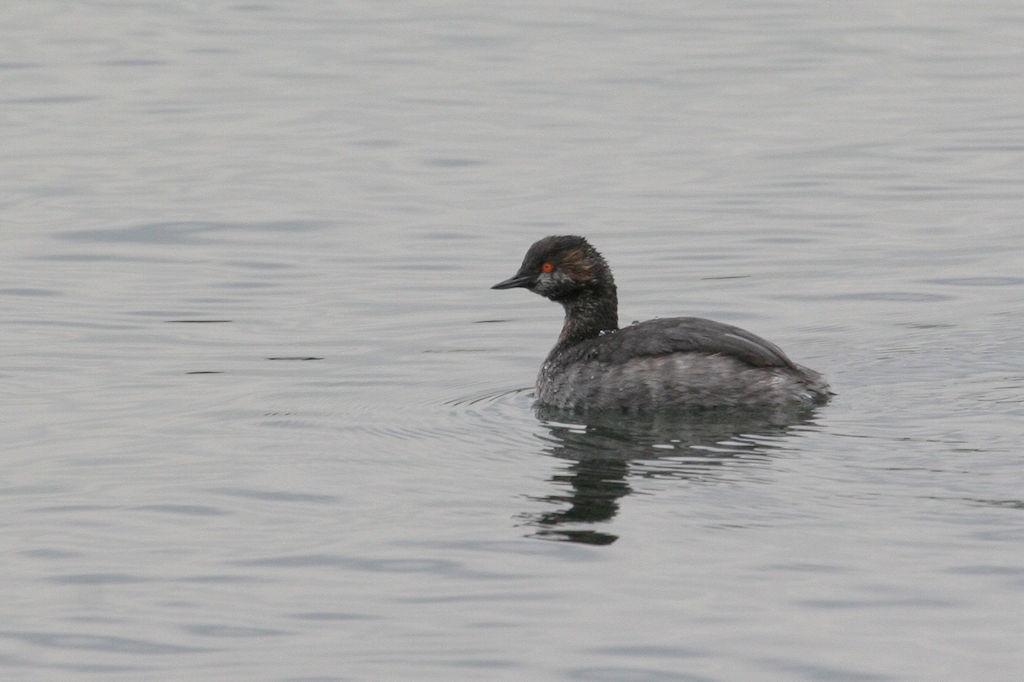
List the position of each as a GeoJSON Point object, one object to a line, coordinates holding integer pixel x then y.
{"type": "Point", "coordinates": [262, 418]}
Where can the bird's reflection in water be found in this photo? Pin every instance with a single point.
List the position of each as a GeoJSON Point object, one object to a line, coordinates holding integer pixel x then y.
{"type": "Point", "coordinates": [606, 451]}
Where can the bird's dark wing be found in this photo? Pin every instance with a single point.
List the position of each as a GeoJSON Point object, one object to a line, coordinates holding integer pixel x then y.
{"type": "Point", "coordinates": [687, 335]}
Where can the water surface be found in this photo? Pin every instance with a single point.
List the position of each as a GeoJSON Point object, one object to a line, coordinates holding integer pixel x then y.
{"type": "Point", "coordinates": [262, 417]}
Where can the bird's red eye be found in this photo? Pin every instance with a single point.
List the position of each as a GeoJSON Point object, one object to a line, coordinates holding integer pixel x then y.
{"type": "Point", "coordinates": [547, 267]}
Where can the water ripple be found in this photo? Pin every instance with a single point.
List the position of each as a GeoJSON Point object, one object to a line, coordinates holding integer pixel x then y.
{"type": "Point", "coordinates": [121, 645]}
{"type": "Point", "coordinates": [187, 232]}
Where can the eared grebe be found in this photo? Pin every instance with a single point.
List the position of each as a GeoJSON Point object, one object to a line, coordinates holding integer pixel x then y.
{"type": "Point", "coordinates": [676, 362]}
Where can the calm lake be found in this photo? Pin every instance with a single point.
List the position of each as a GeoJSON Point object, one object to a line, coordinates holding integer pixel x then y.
{"type": "Point", "coordinates": [262, 417]}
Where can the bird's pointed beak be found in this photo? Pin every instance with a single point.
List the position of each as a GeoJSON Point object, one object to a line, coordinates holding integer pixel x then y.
{"type": "Point", "coordinates": [517, 280]}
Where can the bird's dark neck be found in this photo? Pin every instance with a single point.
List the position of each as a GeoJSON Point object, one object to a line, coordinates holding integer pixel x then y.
{"type": "Point", "coordinates": [588, 314]}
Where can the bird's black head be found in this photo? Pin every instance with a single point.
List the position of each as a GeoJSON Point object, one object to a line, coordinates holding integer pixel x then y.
{"type": "Point", "coordinates": [561, 268]}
